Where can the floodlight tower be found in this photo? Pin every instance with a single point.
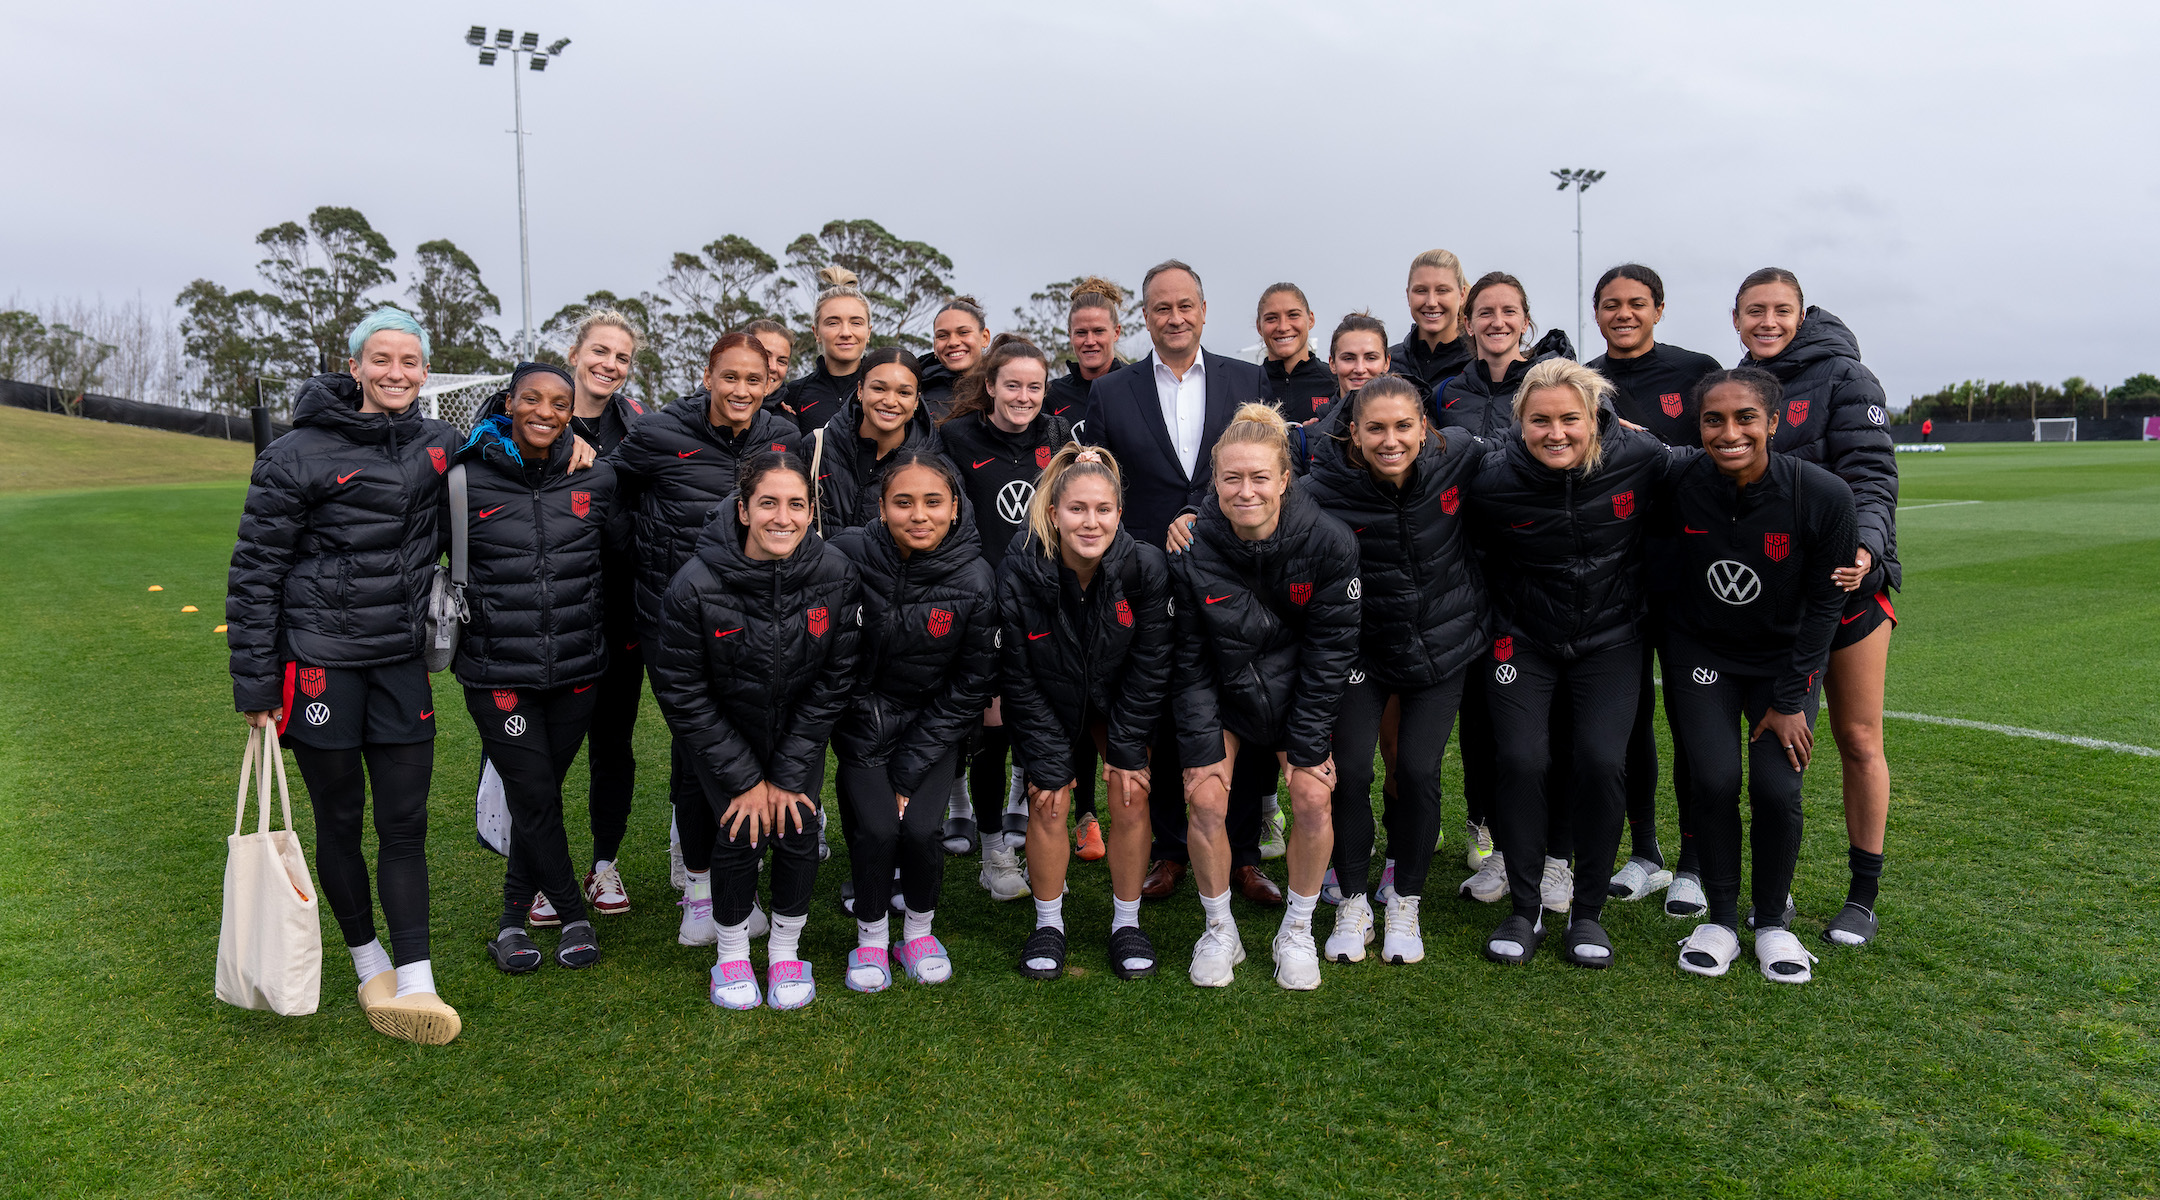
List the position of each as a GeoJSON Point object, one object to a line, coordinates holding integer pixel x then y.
{"type": "Point", "coordinates": [1580, 178]}
{"type": "Point", "coordinates": [537, 59]}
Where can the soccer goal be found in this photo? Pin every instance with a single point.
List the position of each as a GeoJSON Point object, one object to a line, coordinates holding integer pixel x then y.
{"type": "Point", "coordinates": [2055, 429]}
{"type": "Point", "coordinates": [457, 398]}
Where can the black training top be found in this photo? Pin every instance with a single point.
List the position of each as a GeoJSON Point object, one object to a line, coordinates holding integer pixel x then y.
{"type": "Point", "coordinates": [999, 470]}
{"type": "Point", "coordinates": [1068, 393]}
{"type": "Point", "coordinates": [1652, 390]}
{"type": "Point", "coordinates": [1430, 368]}
{"type": "Point", "coordinates": [1304, 391]}
{"type": "Point", "coordinates": [815, 397]}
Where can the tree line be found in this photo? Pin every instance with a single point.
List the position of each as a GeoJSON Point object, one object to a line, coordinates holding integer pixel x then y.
{"type": "Point", "coordinates": [1981, 400]}
{"type": "Point", "coordinates": [318, 277]}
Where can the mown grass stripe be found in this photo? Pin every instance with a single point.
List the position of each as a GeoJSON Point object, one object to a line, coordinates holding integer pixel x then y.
{"type": "Point", "coordinates": [2068, 739]}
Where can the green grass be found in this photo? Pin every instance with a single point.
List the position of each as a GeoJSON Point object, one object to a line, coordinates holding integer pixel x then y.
{"type": "Point", "coordinates": [42, 452]}
{"type": "Point", "coordinates": [2000, 1040]}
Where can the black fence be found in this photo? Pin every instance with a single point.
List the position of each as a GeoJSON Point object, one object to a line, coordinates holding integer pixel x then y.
{"type": "Point", "coordinates": [133, 412]}
{"type": "Point", "coordinates": [2089, 429]}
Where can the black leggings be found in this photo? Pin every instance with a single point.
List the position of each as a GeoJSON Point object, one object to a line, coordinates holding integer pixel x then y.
{"type": "Point", "coordinates": [533, 761]}
{"type": "Point", "coordinates": [1413, 812]}
{"type": "Point", "coordinates": [989, 783]}
{"type": "Point", "coordinates": [695, 827]}
{"type": "Point", "coordinates": [337, 790]}
{"type": "Point", "coordinates": [735, 860]}
{"type": "Point", "coordinates": [608, 754]}
{"type": "Point", "coordinates": [878, 836]}
{"type": "Point", "coordinates": [1480, 769]}
{"type": "Point", "coordinates": [1525, 697]}
{"type": "Point", "coordinates": [1711, 713]}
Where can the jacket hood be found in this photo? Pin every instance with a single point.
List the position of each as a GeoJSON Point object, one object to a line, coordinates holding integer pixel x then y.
{"type": "Point", "coordinates": [720, 545]}
{"type": "Point", "coordinates": [332, 402]}
{"type": "Point", "coordinates": [1821, 336]}
{"type": "Point", "coordinates": [1554, 344]}
{"type": "Point", "coordinates": [935, 373]}
{"type": "Point", "coordinates": [694, 411]}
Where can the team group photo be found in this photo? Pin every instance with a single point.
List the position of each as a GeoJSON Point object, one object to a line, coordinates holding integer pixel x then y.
{"type": "Point", "coordinates": [1312, 700]}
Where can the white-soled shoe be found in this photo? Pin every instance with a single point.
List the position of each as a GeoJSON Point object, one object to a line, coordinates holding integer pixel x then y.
{"type": "Point", "coordinates": [1709, 950]}
{"type": "Point", "coordinates": [1638, 880]}
{"type": "Point", "coordinates": [1001, 875]}
{"type": "Point", "coordinates": [1489, 885]}
{"type": "Point", "coordinates": [1556, 891]}
{"type": "Point", "coordinates": [1405, 942]}
{"type": "Point", "coordinates": [1297, 960]}
{"type": "Point", "coordinates": [678, 874]}
{"type": "Point", "coordinates": [1272, 842]}
{"type": "Point", "coordinates": [759, 924]}
{"type": "Point", "coordinates": [1477, 845]}
{"type": "Point", "coordinates": [1782, 958]}
{"type": "Point", "coordinates": [1685, 896]}
{"type": "Point", "coordinates": [1353, 930]}
{"type": "Point", "coordinates": [1216, 954]}
{"type": "Point", "coordinates": [698, 927]}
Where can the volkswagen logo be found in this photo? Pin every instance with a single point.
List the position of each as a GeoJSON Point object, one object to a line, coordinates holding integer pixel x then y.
{"type": "Point", "coordinates": [1705, 676]}
{"type": "Point", "coordinates": [1504, 673]}
{"type": "Point", "coordinates": [1357, 587]}
{"type": "Point", "coordinates": [1734, 582]}
{"type": "Point", "coordinates": [1357, 676]}
{"type": "Point", "coordinates": [1012, 501]}
{"type": "Point", "coordinates": [515, 726]}
{"type": "Point", "coordinates": [318, 714]}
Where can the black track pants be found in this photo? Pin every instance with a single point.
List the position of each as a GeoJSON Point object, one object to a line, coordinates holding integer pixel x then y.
{"type": "Point", "coordinates": [735, 859]}
{"type": "Point", "coordinates": [1413, 813]}
{"type": "Point", "coordinates": [1597, 692]}
{"type": "Point", "coordinates": [1476, 743]}
{"type": "Point", "coordinates": [1711, 713]}
{"type": "Point", "coordinates": [878, 836]}
{"type": "Point", "coordinates": [532, 737]}
{"type": "Point", "coordinates": [989, 782]}
{"type": "Point", "coordinates": [608, 753]}
{"type": "Point", "coordinates": [1642, 761]}
{"type": "Point", "coordinates": [338, 784]}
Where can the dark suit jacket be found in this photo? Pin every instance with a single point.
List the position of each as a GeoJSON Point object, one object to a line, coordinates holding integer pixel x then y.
{"type": "Point", "coordinates": [1124, 416]}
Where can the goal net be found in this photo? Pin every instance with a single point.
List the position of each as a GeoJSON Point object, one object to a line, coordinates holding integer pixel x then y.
{"type": "Point", "coordinates": [457, 398]}
{"type": "Point", "coordinates": [2055, 429]}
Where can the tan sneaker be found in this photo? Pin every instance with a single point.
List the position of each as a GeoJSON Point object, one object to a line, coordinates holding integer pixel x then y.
{"type": "Point", "coordinates": [421, 1017]}
{"type": "Point", "coordinates": [382, 986]}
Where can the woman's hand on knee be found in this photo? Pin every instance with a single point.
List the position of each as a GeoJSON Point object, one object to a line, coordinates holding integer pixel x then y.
{"type": "Point", "coordinates": [790, 805]}
{"type": "Point", "coordinates": [1126, 788]}
{"type": "Point", "coordinates": [753, 809]}
{"type": "Point", "coordinates": [1047, 806]}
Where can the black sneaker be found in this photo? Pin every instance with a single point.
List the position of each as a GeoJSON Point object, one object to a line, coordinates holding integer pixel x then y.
{"type": "Point", "coordinates": [1128, 943]}
{"type": "Point", "coordinates": [1045, 942]}
{"type": "Point", "coordinates": [578, 948]}
{"type": "Point", "coordinates": [513, 952]}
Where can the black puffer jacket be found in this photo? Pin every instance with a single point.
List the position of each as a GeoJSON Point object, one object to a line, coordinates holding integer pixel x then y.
{"type": "Point", "coordinates": [814, 398]}
{"type": "Point", "coordinates": [1429, 369]}
{"type": "Point", "coordinates": [673, 469]}
{"type": "Point", "coordinates": [999, 470]}
{"type": "Point", "coordinates": [929, 650]}
{"type": "Point", "coordinates": [1563, 554]}
{"type": "Point", "coordinates": [1304, 391]}
{"type": "Point", "coordinates": [1423, 607]}
{"type": "Point", "coordinates": [1472, 401]}
{"type": "Point", "coordinates": [1267, 633]}
{"type": "Point", "coordinates": [850, 461]}
{"type": "Point", "coordinates": [340, 533]}
{"type": "Point", "coordinates": [534, 539]}
{"type": "Point", "coordinates": [936, 387]}
{"type": "Point", "coordinates": [1836, 416]}
{"type": "Point", "coordinates": [757, 659]}
{"type": "Point", "coordinates": [1070, 658]}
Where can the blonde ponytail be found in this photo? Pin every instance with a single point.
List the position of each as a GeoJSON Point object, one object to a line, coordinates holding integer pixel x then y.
{"type": "Point", "coordinates": [1072, 461]}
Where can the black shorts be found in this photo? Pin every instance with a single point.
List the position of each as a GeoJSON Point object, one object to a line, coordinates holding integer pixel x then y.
{"type": "Point", "coordinates": [345, 708]}
{"type": "Point", "coordinates": [1863, 615]}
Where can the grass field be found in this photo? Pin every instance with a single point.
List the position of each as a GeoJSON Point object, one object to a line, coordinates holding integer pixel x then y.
{"type": "Point", "coordinates": [1999, 1040]}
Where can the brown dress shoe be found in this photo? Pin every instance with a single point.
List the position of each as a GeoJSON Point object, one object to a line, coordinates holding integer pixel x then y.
{"type": "Point", "coordinates": [1253, 884]}
{"type": "Point", "coordinates": [1163, 876]}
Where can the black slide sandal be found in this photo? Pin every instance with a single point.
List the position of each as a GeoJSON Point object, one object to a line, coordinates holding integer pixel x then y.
{"type": "Point", "coordinates": [1129, 942]}
{"type": "Point", "coordinates": [1582, 933]}
{"type": "Point", "coordinates": [1045, 942]}
{"type": "Point", "coordinates": [579, 948]}
{"type": "Point", "coordinates": [1519, 930]}
{"type": "Point", "coordinates": [1853, 921]}
{"type": "Point", "coordinates": [514, 953]}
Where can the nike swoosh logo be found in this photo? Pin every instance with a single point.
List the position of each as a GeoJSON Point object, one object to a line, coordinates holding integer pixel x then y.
{"type": "Point", "coordinates": [1213, 599]}
{"type": "Point", "coordinates": [349, 474]}
{"type": "Point", "coordinates": [688, 453]}
{"type": "Point", "coordinates": [725, 632]}
{"type": "Point", "coordinates": [581, 691]}
{"type": "Point", "coordinates": [485, 513]}
{"type": "Point", "coordinates": [979, 466]}
{"type": "Point", "coordinates": [1849, 620]}
{"type": "Point", "coordinates": [429, 713]}
{"type": "Point", "coordinates": [1521, 524]}
{"type": "Point", "coordinates": [1686, 529]}
{"type": "Point", "coordinates": [1045, 633]}
{"type": "Point", "coordinates": [1359, 529]}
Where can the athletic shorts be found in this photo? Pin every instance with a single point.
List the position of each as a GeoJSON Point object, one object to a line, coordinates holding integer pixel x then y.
{"type": "Point", "coordinates": [345, 708]}
{"type": "Point", "coordinates": [1863, 615]}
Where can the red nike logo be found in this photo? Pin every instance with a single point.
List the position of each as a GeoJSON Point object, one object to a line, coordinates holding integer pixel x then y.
{"type": "Point", "coordinates": [1520, 524]}
{"type": "Point", "coordinates": [485, 513]}
{"type": "Point", "coordinates": [688, 453]}
{"type": "Point", "coordinates": [429, 713]}
{"type": "Point", "coordinates": [1045, 633]}
{"type": "Point", "coordinates": [725, 632]}
{"type": "Point", "coordinates": [581, 691]}
{"type": "Point", "coordinates": [1359, 529]}
{"type": "Point", "coordinates": [349, 474]}
{"type": "Point", "coordinates": [979, 466]}
{"type": "Point", "coordinates": [1686, 529]}
{"type": "Point", "coordinates": [1213, 599]}
{"type": "Point", "coordinates": [1849, 620]}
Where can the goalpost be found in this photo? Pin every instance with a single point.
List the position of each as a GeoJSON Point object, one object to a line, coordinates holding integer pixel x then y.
{"type": "Point", "coordinates": [457, 398]}
{"type": "Point", "coordinates": [2054, 429]}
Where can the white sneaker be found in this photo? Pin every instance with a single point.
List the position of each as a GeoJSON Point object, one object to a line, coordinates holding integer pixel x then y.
{"type": "Point", "coordinates": [1215, 954]}
{"type": "Point", "coordinates": [1353, 930]}
{"type": "Point", "coordinates": [1490, 884]}
{"type": "Point", "coordinates": [1297, 960]}
{"type": "Point", "coordinates": [1330, 890]}
{"type": "Point", "coordinates": [1782, 958]}
{"type": "Point", "coordinates": [1405, 942]}
{"type": "Point", "coordinates": [604, 891]}
{"type": "Point", "coordinates": [543, 913]}
{"type": "Point", "coordinates": [1001, 875]}
{"type": "Point", "coordinates": [759, 924]}
{"type": "Point", "coordinates": [1272, 843]}
{"type": "Point", "coordinates": [1477, 844]}
{"type": "Point", "coordinates": [1685, 897]}
{"type": "Point", "coordinates": [1638, 880]}
{"type": "Point", "coordinates": [1557, 890]}
{"type": "Point", "coordinates": [678, 874]}
{"type": "Point", "coordinates": [1385, 893]}
{"type": "Point", "coordinates": [698, 927]}
{"type": "Point", "coordinates": [823, 851]}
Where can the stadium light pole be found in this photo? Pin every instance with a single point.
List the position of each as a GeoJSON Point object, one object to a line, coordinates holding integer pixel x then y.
{"type": "Point", "coordinates": [1580, 178]}
{"type": "Point", "coordinates": [528, 45]}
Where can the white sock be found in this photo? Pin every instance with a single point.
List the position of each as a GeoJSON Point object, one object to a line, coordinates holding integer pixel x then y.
{"type": "Point", "coordinates": [370, 960]}
{"type": "Point", "coordinates": [873, 935]}
{"type": "Point", "coordinates": [1124, 914]}
{"type": "Point", "coordinates": [413, 978]}
{"type": "Point", "coordinates": [916, 925]}
{"type": "Point", "coordinates": [1050, 914]}
{"type": "Point", "coordinates": [961, 807]}
{"type": "Point", "coordinates": [609, 865]}
{"type": "Point", "coordinates": [1016, 794]}
{"type": "Point", "coordinates": [734, 943]}
{"type": "Point", "coordinates": [1217, 908]}
{"type": "Point", "coordinates": [786, 936]}
{"type": "Point", "coordinates": [700, 887]}
{"type": "Point", "coordinates": [1300, 909]}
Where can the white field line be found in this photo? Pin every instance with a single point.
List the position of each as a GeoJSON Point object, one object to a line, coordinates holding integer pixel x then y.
{"type": "Point", "coordinates": [1937, 504]}
{"type": "Point", "coordinates": [2043, 735]}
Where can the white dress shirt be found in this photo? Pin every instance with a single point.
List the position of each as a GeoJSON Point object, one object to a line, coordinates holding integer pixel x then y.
{"type": "Point", "coordinates": [1184, 408]}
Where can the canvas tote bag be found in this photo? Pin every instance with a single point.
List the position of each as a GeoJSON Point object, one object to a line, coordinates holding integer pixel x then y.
{"type": "Point", "coordinates": [270, 945]}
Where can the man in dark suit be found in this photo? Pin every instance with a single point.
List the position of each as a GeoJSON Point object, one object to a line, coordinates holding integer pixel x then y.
{"type": "Point", "coordinates": [1161, 417]}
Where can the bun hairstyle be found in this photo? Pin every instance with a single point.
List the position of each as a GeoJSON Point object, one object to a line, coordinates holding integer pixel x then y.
{"type": "Point", "coordinates": [738, 340]}
{"type": "Point", "coordinates": [1493, 279]}
{"type": "Point", "coordinates": [838, 283]}
{"type": "Point", "coordinates": [1096, 292]}
{"type": "Point", "coordinates": [1637, 272]}
{"type": "Point", "coordinates": [609, 318]}
{"type": "Point", "coordinates": [1589, 387]}
{"type": "Point", "coordinates": [968, 305]}
{"type": "Point", "coordinates": [1756, 279]}
{"type": "Point", "coordinates": [764, 463]}
{"type": "Point", "coordinates": [972, 393]}
{"type": "Point", "coordinates": [1255, 424]}
{"type": "Point", "coordinates": [1357, 322]}
{"type": "Point", "coordinates": [1072, 461]}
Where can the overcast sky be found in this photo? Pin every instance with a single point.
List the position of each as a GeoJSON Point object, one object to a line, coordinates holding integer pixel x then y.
{"type": "Point", "coordinates": [1972, 187]}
